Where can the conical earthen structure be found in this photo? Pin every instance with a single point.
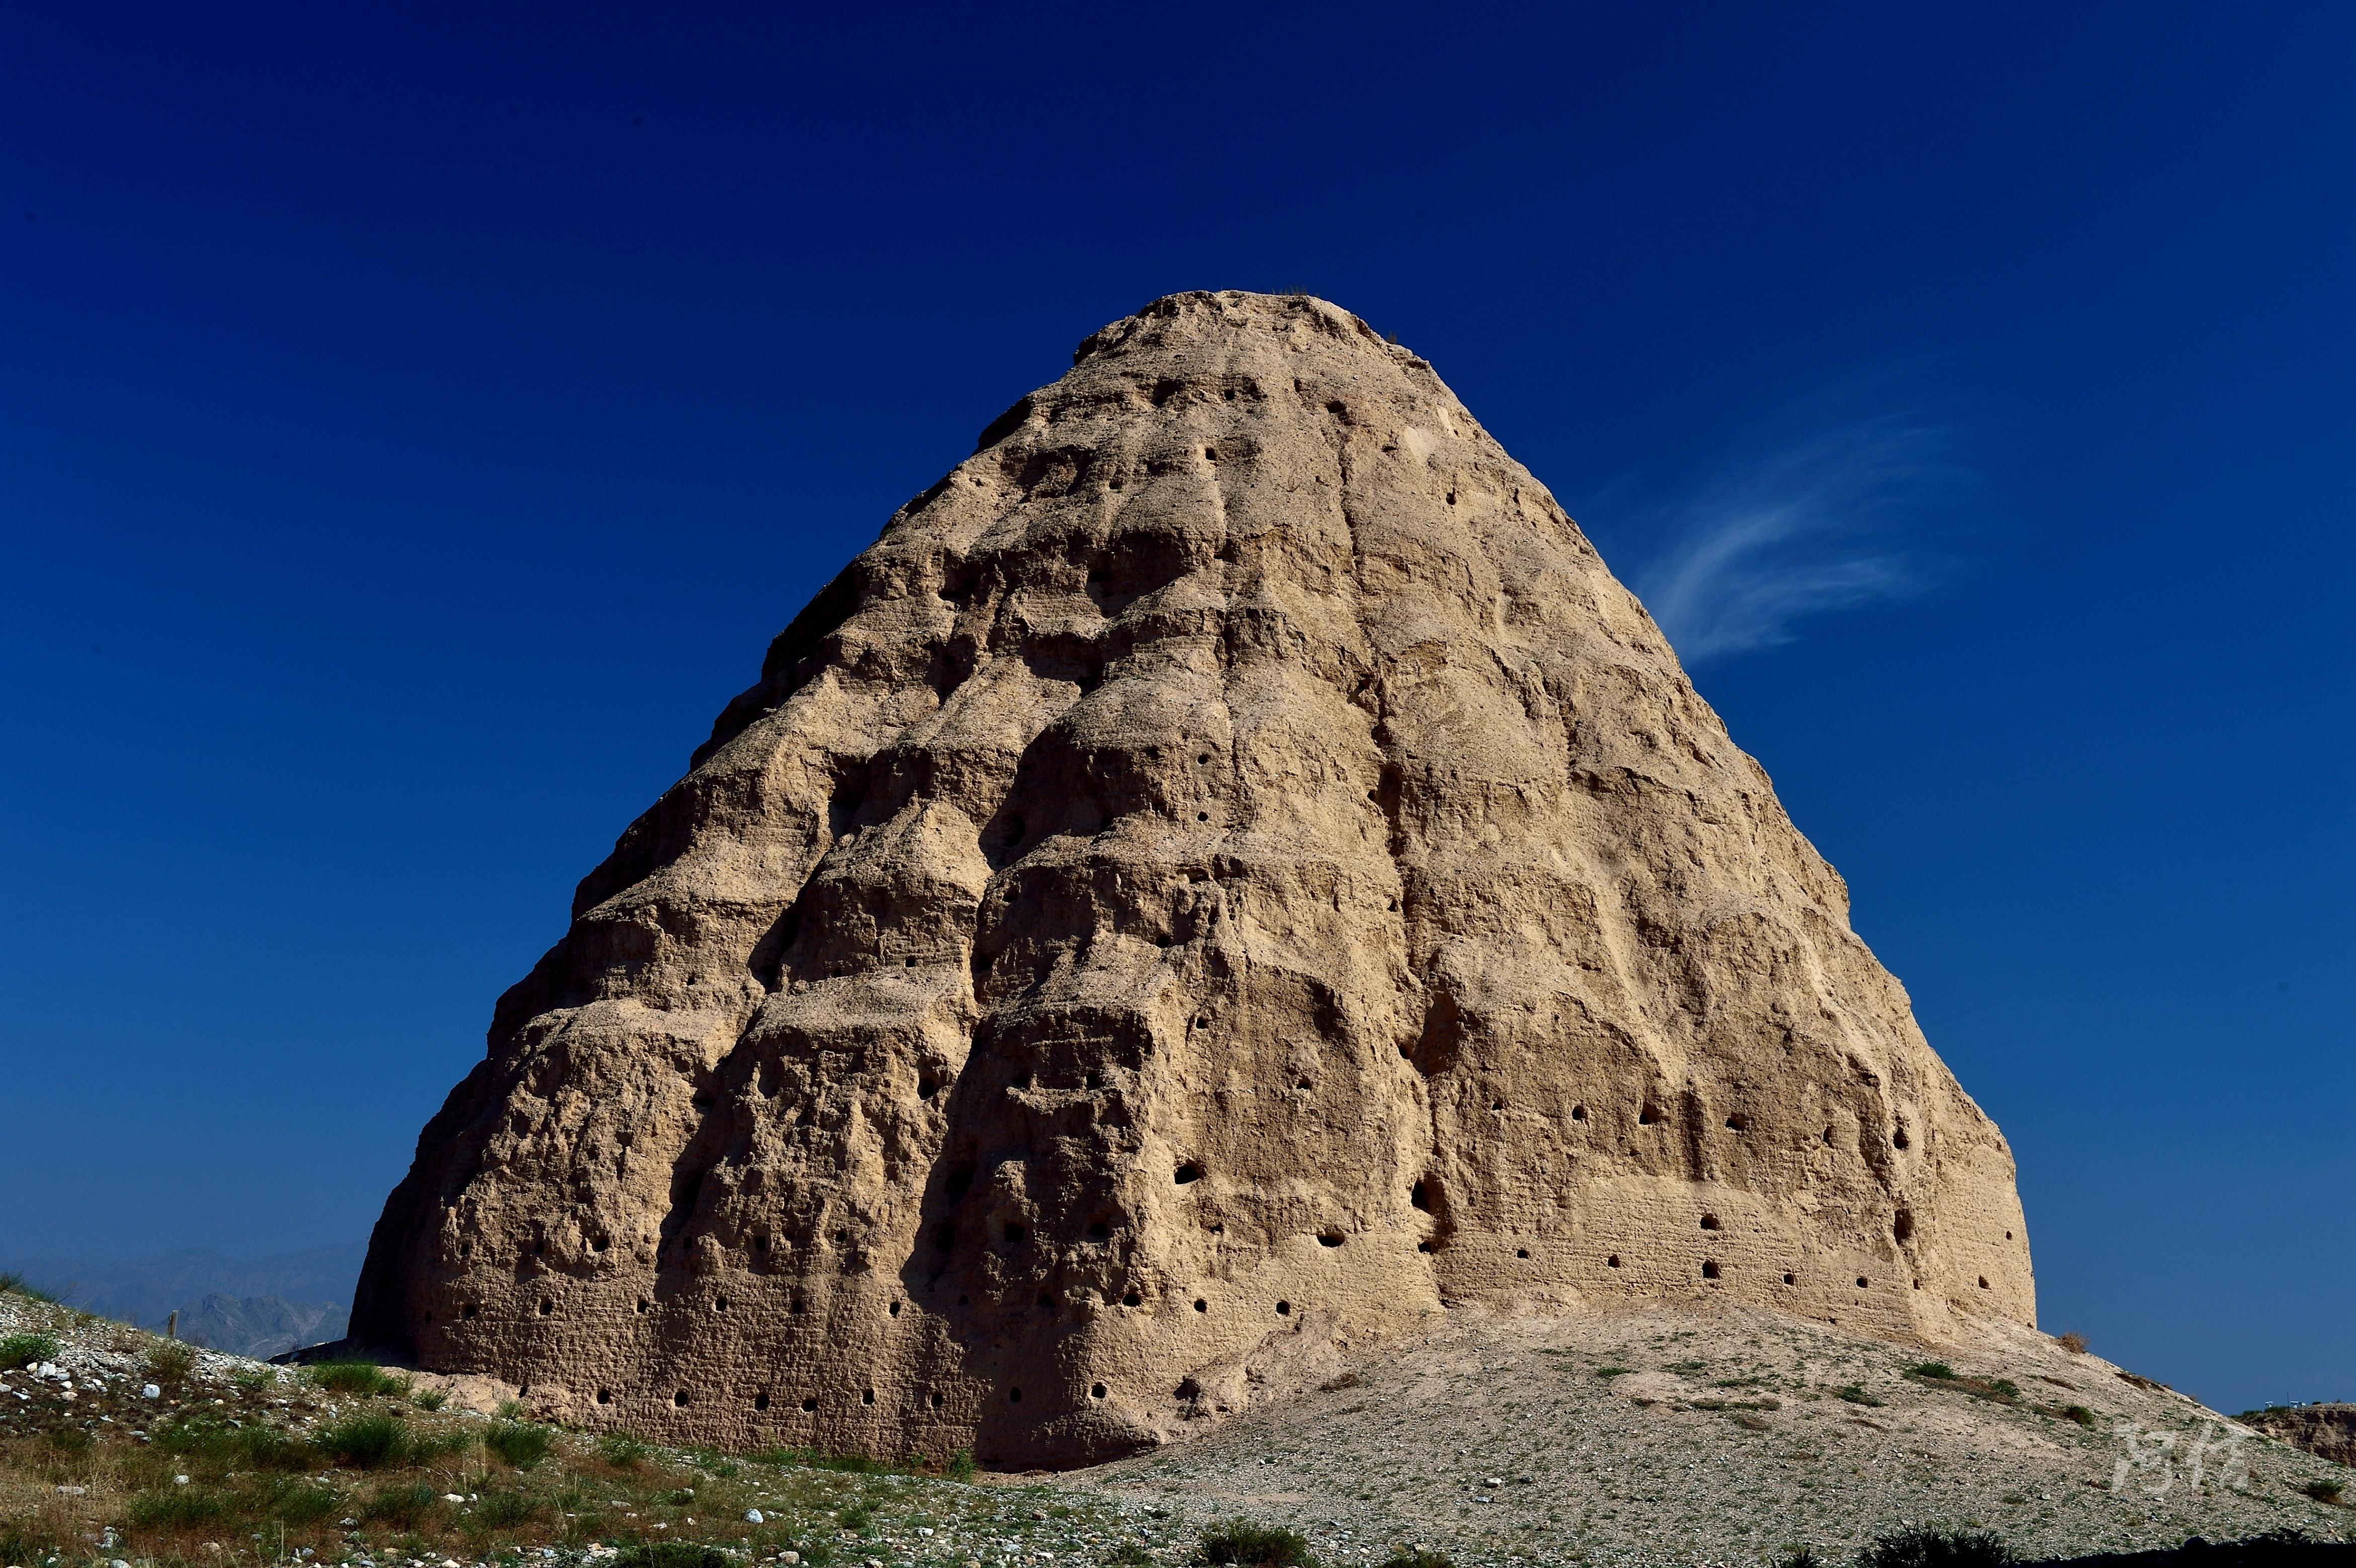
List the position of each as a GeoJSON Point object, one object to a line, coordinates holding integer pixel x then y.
{"type": "Point", "coordinates": [1227, 875]}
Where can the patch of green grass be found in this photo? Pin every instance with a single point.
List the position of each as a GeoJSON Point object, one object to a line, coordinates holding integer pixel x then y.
{"type": "Point", "coordinates": [856, 1516]}
{"type": "Point", "coordinates": [1240, 1542]}
{"type": "Point", "coordinates": [211, 1437]}
{"type": "Point", "coordinates": [1613, 1371]}
{"type": "Point", "coordinates": [818, 1459]}
{"type": "Point", "coordinates": [426, 1447]}
{"type": "Point", "coordinates": [960, 1466]}
{"type": "Point", "coordinates": [2324, 1491]}
{"type": "Point", "coordinates": [1936, 1549]}
{"type": "Point", "coordinates": [674, 1554]}
{"type": "Point", "coordinates": [430, 1398]}
{"type": "Point", "coordinates": [1938, 1370]}
{"type": "Point", "coordinates": [1855, 1394]}
{"type": "Point", "coordinates": [179, 1508]}
{"type": "Point", "coordinates": [502, 1510]}
{"type": "Point", "coordinates": [18, 1543]}
{"type": "Point", "coordinates": [622, 1451]}
{"type": "Point", "coordinates": [366, 1441]}
{"type": "Point", "coordinates": [520, 1444]}
{"type": "Point", "coordinates": [403, 1507]}
{"type": "Point", "coordinates": [1797, 1555]}
{"type": "Point", "coordinates": [24, 1350]}
{"type": "Point", "coordinates": [2080, 1415]}
{"type": "Point", "coordinates": [355, 1378]}
{"type": "Point", "coordinates": [301, 1502]}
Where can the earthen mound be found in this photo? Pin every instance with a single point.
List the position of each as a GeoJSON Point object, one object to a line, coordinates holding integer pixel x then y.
{"type": "Point", "coordinates": [1226, 875]}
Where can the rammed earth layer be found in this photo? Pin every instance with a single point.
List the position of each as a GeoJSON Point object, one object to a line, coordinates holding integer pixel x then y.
{"type": "Point", "coordinates": [1229, 872]}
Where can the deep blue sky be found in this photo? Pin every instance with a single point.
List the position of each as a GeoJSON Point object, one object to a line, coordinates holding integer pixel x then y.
{"type": "Point", "coordinates": [414, 421]}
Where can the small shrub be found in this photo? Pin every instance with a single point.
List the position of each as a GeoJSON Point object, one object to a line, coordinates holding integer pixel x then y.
{"type": "Point", "coordinates": [253, 1379]}
{"type": "Point", "coordinates": [177, 1507]}
{"type": "Point", "coordinates": [367, 1441]}
{"type": "Point", "coordinates": [2004, 1387]}
{"type": "Point", "coordinates": [355, 1378]}
{"type": "Point", "coordinates": [1799, 1556]}
{"type": "Point", "coordinates": [1417, 1560]}
{"type": "Point", "coordinates": [511, 1410]}
{"type": "Point", "coordinates": [403, 1508]}
{"type": "Point", "coordinates": [960, 1466]}
{"type": "Point", "coordinates": [1855, 1394]}
{"type": "Point", "coordinates": [430, 1398]}
{"type": "Point", "coordinates": [169, 1361]}
{"type": "Point", "coordinates": [2080, 1415]}
{"type": "Point", "coordinates": [1239, 1541]}
{"type": "Point", "coordinates": [520, 1444]}
{"type": "Point", "coordinates": [1613, 1371]}
{"type": "Point", "coordinates": [673, 1555]}
{"type": "Point", "coordinates": [622, 1451]}
{"type": "Point", "coordinates": [1936, 1549]}
{"type": "Point", "coordinates": [856, 1516]}
{"type": "Point", "coordinates": [2324, 1491]}
{"type": "Point", "coordinates": [1939, 1370]}
{"type": "Point", "coordinates": [24, 1350]}
{"type": "Point", "coordinates": [2073, 1343]}
{"type": "Point", "coordinates": [70, 1440]}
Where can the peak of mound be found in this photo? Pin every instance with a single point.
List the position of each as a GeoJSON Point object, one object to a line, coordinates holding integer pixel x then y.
{"type": "Point", "coordinates": [1227, 874]}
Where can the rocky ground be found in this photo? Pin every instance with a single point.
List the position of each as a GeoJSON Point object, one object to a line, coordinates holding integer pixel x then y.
{"type": "Point", "coordinates": [1651, 1437]}
{"type": "Point", "coordinates": [1686, 1435]}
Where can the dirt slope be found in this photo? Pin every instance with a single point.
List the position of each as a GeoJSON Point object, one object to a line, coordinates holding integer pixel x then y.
{"type": "Point", "coordinates": [1722, 1434]}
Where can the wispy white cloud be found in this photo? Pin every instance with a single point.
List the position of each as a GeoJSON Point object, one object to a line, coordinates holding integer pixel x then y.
{"type": "Point", "coordinates": [1835, 522]}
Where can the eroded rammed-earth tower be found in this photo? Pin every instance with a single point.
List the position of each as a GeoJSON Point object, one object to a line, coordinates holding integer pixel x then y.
{"type": "Point", "coordinates": [1227, 874]}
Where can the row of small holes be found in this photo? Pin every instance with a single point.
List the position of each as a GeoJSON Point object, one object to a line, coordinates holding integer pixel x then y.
{"type": "Point", "coordinates": [1709, 1272]}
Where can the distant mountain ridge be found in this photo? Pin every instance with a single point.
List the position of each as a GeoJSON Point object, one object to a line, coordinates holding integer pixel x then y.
{"type": "Point", "coordinates": [261, 1325]}
{"type": "Point", "coordinates": [259, 1306]}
